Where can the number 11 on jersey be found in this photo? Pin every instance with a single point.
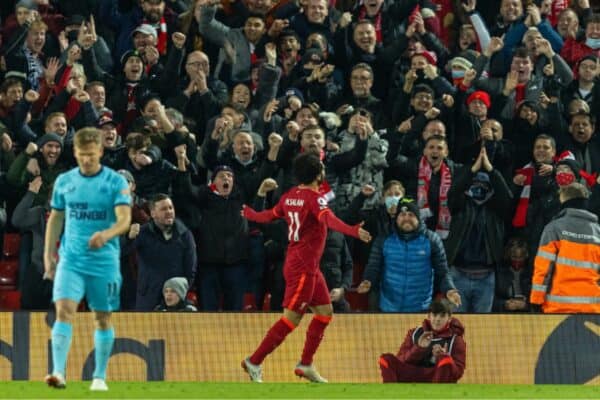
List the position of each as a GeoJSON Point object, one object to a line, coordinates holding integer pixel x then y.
{"type": "Point", "coordinates": [294, 226]}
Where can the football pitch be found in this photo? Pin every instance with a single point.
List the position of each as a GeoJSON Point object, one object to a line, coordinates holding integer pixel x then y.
{"type": "Point", "coordinates": [193, 390]}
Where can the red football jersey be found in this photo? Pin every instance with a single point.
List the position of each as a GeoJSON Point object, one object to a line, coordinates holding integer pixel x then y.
{"type": "Point", "coordinates": [301, 209]}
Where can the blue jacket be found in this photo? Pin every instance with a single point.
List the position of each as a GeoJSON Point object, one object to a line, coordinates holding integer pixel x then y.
{"type": "Point", "coordinates": [405, 267]}
{"type": "Point", "coordinates": [515, 33]}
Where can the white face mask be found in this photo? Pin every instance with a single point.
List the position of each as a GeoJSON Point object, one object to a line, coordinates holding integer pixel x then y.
{"type": "Point", "coordinates": [391, 201]}
{"type": "Point", "coordinates": [592, 43]}
{"type": "Point", "coordinates": [244, 163]}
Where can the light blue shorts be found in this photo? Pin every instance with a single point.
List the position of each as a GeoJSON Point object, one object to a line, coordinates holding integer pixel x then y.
{"type": "Point", "coordinates": [101, 292]}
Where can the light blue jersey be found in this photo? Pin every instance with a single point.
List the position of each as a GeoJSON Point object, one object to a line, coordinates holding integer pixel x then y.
{"type": "Point", "coordinates": [89, 205]}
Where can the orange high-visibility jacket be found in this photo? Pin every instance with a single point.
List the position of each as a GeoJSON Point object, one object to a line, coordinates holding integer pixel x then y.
{"type": "Point", "coordinates": [566, 276]}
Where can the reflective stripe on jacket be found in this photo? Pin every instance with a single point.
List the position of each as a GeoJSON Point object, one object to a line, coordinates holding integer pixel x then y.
{"type": "Point", "coordinates": [566, 277]}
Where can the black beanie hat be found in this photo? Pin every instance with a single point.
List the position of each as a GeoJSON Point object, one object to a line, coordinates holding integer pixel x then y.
{"type": "Point", "coordinates": [408, 205]}
{"type": "Point", "coordinates": [219, 169]}
{"type": "Point", "coordinates": [572, 164]}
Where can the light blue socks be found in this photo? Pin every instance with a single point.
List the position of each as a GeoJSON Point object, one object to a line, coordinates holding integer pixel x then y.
{"type": "Point", "coordinates": [61, 342]}
{"type": "Point", "coordinates": [103, 343]}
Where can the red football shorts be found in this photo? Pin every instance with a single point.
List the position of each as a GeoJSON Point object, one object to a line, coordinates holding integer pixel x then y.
{"type": "Point", "coordinates": [305, 289]}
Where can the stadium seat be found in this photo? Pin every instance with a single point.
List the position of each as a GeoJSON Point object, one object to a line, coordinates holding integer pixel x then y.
{"type": "Point", "coordinates": [9, 272]}
{"type": "Point", "coordinates": [249, 302]}
{"type": "Point", "coordinates": [10, 248]}
{"type": "Point", "coordinates": [267, 302]}
{"type": "Point", "coordinates": [192, 297]}
{"type": "Point", "coordinates": [10, 300]}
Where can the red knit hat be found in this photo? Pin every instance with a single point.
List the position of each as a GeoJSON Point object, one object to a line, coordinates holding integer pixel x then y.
{"type": "Point", "coordinates": [429, 56]}
{"type": "Point", "coordinates": [480, 95]}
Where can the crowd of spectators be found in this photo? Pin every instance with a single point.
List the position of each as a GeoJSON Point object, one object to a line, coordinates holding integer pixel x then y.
{"type": "Point", "coordinates": [478, 111]}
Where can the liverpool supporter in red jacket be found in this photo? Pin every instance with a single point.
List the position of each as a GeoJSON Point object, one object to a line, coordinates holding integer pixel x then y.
{"type": "Point", "coordinates": [433, 352]}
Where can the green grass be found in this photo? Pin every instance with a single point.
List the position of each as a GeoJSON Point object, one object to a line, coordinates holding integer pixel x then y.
{"type": "Point", "coordinates": [185, 390]}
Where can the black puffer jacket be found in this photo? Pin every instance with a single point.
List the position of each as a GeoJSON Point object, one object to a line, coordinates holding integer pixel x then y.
{"type": "Point", "coordinates": [222, 236]}
{"type": "Point", "coordinates": [336, 261]}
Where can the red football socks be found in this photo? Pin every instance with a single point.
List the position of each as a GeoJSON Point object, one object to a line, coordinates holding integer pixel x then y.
{"type": "Point", "coordinates": [273, 338]}
{"type": "Point", "coordinates": [314, 335]}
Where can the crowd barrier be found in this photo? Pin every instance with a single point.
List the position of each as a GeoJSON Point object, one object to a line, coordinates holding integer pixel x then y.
{"type": "Point", "coordinates": [509, 349]}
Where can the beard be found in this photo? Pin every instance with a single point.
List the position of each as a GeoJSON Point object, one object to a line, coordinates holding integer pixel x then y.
{"type": "Point", "coordinates": [153, 17]}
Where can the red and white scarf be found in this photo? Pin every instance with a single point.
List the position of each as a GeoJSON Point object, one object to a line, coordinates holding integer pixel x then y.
{"type": "Point", "coordinates": [528, 171]}
{"type": "Point", "coordinates": [444, 218]}
{"type": "Point", "coordinates": [161, 44]}
{"type": "Point", "coordinates": [520, 217]}
{"type": "Point", "coordinates": [362, 14]}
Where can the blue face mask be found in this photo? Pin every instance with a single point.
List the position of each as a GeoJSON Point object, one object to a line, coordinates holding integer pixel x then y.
{"type": "Point", "coordinates": [592, 43]}
{"type": "Point", "coordinates": [244, 163]}
{"type": "Point", "coordinates": [391, 201]}
{"type": "Point", "coordinates": [457, 73]}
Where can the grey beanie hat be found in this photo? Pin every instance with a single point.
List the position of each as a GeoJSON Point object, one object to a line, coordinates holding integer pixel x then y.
{"type": "Point", "coordinates": [127, 175]}
{"type": "Point", "coordinates": [179, 285]}
{"type": "Point", "coordinates": [30, 4]}
{"type": "Point", "coordinates": [50, 137]}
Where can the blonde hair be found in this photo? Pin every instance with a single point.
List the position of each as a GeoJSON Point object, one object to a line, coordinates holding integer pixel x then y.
{"type": "Point", "coordinates": [573, 191]}
{"type": "Point", "coordinates": [38, 25]}
{"type": "Point", "coordinates": [79, 70]}
{"type": "Point", "coordinates": [86, 136]}
{"type": "Point", "coordinates": [54, 115]}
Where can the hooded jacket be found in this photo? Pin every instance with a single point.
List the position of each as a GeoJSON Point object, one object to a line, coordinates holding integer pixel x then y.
{"type": "Point", "coordinates": [464, 212]}
{"type": "Point", "coordinates": [452, 335]}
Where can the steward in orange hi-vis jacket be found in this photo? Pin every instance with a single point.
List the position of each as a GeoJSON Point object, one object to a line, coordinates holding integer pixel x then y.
{"type": "Point", "coordinates": [566, 277]}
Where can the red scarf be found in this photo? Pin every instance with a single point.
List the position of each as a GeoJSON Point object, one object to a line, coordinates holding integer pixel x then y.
{"type": "Point", "coordinates": [213, 188]}
{"type": "Point", "coordinates": [72, 108]}
{"type": "Point", "coordinates": [161, 45]}
{"type": "Point", "coordinates": [362, 14]}
{"type": "Point", "coordinates": [590, 179]}
{"type": "Point", "coordinates": [444, 218]}
{"type": "Point", "coordinates": [326, 192]}
{"type": "Point", "coordinates": [131, 114]}
{"type": "Point", "coordinates": [64, 79]}
{"type": "Point", "coordinates": [520, 217]}
{"type": "Point", "coordinates": [519, 93]}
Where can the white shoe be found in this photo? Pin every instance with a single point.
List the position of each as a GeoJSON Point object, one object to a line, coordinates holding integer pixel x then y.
{"type": "Point", "coordinates": [255, 371]}
{"type": "Point", "coordinates": [98, 385]}
{"type": "Point", "coordinates": [56, 380]}
{"type": "Point", "coordinates": [309, 372]}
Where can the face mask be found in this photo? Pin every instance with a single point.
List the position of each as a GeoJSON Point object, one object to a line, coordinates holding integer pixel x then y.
{"type": "Point", "coordinates": [592, 43]}
{"type": "Point", "coordinates": [244, 163]}
{"type": "Point", "coordinates": [391, 201]}
{"type": "Point", "coordinates": [565, 178]}
{"type": "Point", "coordinates": [457, 74]}
{"type": "Point", "coordinates": [478, 192]}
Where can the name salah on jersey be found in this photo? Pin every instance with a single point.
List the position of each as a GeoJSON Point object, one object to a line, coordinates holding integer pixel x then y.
{"type": "Point", "coordinates": [294, 202]}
